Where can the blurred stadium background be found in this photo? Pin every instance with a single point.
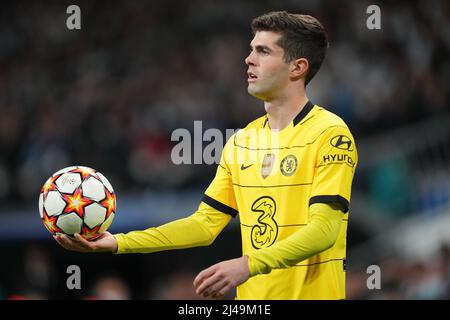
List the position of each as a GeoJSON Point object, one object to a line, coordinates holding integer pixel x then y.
{"type": "Point", "coordinates": [109, 96]}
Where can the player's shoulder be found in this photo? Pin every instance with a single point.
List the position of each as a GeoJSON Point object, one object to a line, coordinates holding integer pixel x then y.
{"type": "Point", "coordinates": [323, 120]}
{"type": "Point", "coordinates": [328, 128]}
{"type": "Point", "coordinates": [326, 118]}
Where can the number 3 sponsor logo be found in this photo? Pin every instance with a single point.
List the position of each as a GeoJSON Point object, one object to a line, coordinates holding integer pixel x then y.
{"type": "Point", "coordinates": [265, 232]}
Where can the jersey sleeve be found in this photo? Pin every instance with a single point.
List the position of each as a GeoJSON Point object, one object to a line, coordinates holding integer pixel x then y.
{"type": "Point", "coordinates": [336, 162]}
{"type": "Point", "coordinates": [320, 234]}
{"type": "Point", "coordinates": [220, 193]}
{"type": "Point", "coordinates": [199, 229]}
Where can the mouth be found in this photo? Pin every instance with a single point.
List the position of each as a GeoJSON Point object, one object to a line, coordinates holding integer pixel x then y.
{"type": "Point", "coordinates": [251, 77]}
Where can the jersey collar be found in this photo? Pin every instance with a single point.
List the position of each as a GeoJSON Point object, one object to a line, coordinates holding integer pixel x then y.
{"type": "Point", "coordinates": [299, 117]}
{"type": "Point", "coordinates": [302, 114]}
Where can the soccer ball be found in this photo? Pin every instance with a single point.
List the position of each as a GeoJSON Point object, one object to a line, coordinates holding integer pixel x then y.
{"type": "Point", "coordinates": [77, 200]}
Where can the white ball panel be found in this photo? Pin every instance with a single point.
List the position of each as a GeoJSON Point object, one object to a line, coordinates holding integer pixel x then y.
{"type": "Point", "coordinates": [105, 182]}
{"type": "Point", "coordinates": [93, 189]}
{"type": "Point", "coordinates": [68, 182]}
{"type": "Point", "coordinates": [106, 224]}
{"type": "Point", "coordinates": [94, 214]}
{"type": "Point", "coordinates": [54, 204]}
{"type": "Point", "coordinates": [64, 170]}
{"type": "Point", "coordinates": [41, 205]}
{"type": "Point", "coordinates": [70, 223]}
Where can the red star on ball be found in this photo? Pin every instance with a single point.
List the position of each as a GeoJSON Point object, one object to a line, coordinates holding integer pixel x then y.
{"type": "Point", "coordinates": [109, 203]}
{"type": "Point", "coordinates": [49, 185]}
{"type": "Point", "coordinates": [76, 203]}
{"type": "Point", "coordinates": [50, 223]}
{"type": "Point", "coordinates": [90, 234]}
{"type": "Point", "coordinates": [85, 172]}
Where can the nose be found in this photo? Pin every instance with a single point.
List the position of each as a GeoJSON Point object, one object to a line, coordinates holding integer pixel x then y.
{"type": "Point", "coordinates": [249, 60]}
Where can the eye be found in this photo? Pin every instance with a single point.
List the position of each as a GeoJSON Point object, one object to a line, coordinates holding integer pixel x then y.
{"type": "Point", "coordinates": [263, 51]}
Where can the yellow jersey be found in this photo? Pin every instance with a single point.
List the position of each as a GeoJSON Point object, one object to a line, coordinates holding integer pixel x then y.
{"type": "Point", "coordinates": [270, 178]}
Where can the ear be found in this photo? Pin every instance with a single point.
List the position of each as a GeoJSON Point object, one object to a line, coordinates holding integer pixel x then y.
{"type": "Point", "coordinates": [299, 68]}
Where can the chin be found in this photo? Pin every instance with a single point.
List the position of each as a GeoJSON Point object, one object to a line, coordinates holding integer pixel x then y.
{"type": "Point", "coordinates": [257, 94]}
{"type": "Point", "coordinates": [253, 91]}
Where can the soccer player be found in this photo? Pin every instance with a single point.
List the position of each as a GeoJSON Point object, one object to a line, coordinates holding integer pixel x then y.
{"type": "Point", "coordinates": [287, 174]}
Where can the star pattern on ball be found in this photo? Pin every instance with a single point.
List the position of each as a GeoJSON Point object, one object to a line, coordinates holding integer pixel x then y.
{"type": "Point", "coordinates": [50, 223]}
{"type": "Point", "coordinates": [67, 204]}
{"type": "Point", "coordinates": [109, 203]}
{"type": "Point", "coordinates": [85, 172]}
{"type": "Point", "coordinates": [76, 203]}
{"type": "Point", "coordinates": [49, 185]}
{"type": "Point", "coordinates": [90, 234]}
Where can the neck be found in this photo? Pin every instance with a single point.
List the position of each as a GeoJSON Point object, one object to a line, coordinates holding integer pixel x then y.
{"type": "Point", "coordinates": [282, 111]}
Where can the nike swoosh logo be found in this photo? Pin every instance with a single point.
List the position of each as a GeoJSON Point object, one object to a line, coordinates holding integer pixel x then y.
{"type": "Point", "coordinates": [245, 167]}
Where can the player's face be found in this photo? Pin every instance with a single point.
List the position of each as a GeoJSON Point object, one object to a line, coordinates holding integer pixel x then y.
{"type": "Point", "coordinates": [268, 74]}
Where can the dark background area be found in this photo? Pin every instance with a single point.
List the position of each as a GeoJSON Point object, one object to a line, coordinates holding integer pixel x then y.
{"type": "Point", "coordinates": [110, 95]}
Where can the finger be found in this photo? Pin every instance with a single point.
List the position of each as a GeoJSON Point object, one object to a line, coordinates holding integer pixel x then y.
{"type": "Point", "coordinates": [203, 275]}
{"type": "Point", "coordinates": [70, 244]}
{"type": "Point", "coordinates": [205, 287]}
{"type": "Point", "coordinates": [103, 235]}
{"type": "Point", "coordinates": [60, 242]}
{"type": "Point", "coordinates": [217, 295]}
{"type": "Point", "coordinates": [83, 242]}
{"type": "Point", "coordinates": [216, 289]}
{"type": "Point", "coordinates": [68, 241]}
{"type": "Point", "coordinates": [224, 290]}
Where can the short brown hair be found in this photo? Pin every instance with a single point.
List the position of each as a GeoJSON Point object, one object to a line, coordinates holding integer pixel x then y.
{"type": "Point", "coordinates": [302, 36]}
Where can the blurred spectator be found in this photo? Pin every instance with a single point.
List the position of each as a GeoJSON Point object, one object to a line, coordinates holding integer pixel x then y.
{"type": "Point", "coordinates": [402, 279]}
{"type": "Point", "coordinates": [175, 286]}
{"type": "Point", "coordinates": [110, 288]}
{"type": "Point", "coordinates": [391, 187]}
{"type": "Point", "coordinates": [445, 260]}
{"type": "Point", "coordinates": [178, 286]}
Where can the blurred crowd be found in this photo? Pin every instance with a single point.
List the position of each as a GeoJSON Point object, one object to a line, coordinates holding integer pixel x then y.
{"type": "Point", "coordinates": [404, 279]}
{"type": "Point", "coordinates": [41, 279]}
{"type": "Point", "coordinates": [44, 271]}
{"type": "Point", "coordinates": [110, 95]}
